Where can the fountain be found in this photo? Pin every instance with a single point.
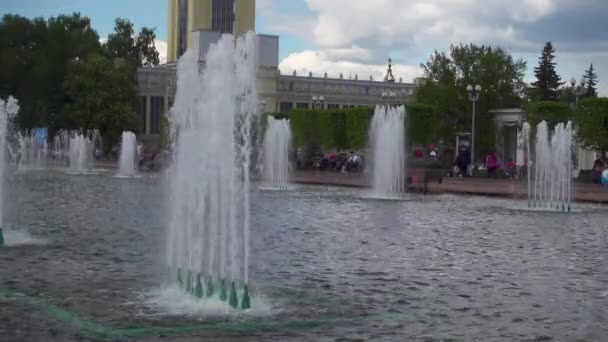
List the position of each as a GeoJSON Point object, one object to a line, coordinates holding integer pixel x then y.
{"type": "Point", "coordinates": [276, 153]}
{"type": "Point", "coordinates": [81, 151]}
{"type": "Point", "coordinates": [387, 142]}
{"type": "Point", "coordinates": [60, 149]}
{"type": "Point", "coordinates": [8, 109]}
{"type": "Point", "coordinates": [552, 184]}
{"type": "Point", "coordinates": [208, 232]}
{"type": "Point", "coordinates": [127, 156]}
{"type": "Point", "coordinates": [33, 151]}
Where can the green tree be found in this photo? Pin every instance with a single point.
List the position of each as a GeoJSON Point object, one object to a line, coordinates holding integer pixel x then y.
{"type": "Point", "coordinates": [591, 120]}
{"type": "Point", "coordinates": [495, 70]}
{"type": "Point", "coordinates": [34, 61]}
{"type": "Point", "coordinates": [591, 78]}
{"type": "Point", "coordinates": [549, 111]}
{"type": "Point", "coordinates": [101, 94]}
{"type": "Point", "coordinates": [137, 50]}
{"type": "Point", "coordinates": [423, 124]}
{"type": "Point", "coordinates": [547, 80]}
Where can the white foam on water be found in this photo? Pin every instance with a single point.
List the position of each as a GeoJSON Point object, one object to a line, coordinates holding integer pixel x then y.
{"type": "Point", "coordinates": [14, 238]}
{"type": "Point", "coordinates": [173, 300]}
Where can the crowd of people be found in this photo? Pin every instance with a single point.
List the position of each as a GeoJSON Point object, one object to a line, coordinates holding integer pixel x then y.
{"type": "Point", "coordinates": [332, 161]}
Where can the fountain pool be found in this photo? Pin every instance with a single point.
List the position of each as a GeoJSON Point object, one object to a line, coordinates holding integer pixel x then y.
{"type": "Point", "coordinates": [326, 264]}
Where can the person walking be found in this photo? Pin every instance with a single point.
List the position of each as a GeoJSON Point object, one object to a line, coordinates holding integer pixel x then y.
{"type": "Point", "coordinates": [492, 164]}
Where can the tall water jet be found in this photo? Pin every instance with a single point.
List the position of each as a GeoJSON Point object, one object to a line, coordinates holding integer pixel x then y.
{"type": "Point", "coordinates": [60, 149]}
{"type": "Point", "coordinates": [277, 141]}
{"type": "Point", "coordinates": [127, 155]}
{"type": "Point", "coordinates": [8, 109]}
{"type": "Point", "coordinates": [526, 140]}
{"type": "Point", "coordinates": [80, 153]}
{"type": "Point", "coordinates": [553, 167]}
{"type": "Point", "coordinates": [208, 232]}
{"type": "Point", "coordinates": [387, 142]}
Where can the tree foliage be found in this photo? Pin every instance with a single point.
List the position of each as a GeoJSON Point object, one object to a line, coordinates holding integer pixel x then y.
{"type": "Point", "coordinates": [424, 125]}
{"type": "Point", "coordinates": [591, 79]}
{"type": "Point", "coordinates": [40, 59]}
{"type": "Point", "coordinates": [339, 129]}
{"type": "Point", "coordinates": [549, 111]}
{"type": "Point", "coordinates": [499, 75]}
{"type": "Point", "coordinates": [548, 81]}
{"type": "Point", "coordinates": [591, 120]}
{"type": "Point", "coordinates": [100, 94]}
{"type": "Point", "coordinates": [137, 50]}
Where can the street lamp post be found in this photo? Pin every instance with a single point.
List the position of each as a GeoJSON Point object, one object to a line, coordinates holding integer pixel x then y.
{"type": "Point", "coordinates": [474, 97]}
{"type": "Point", "coordinates": [317, 101]}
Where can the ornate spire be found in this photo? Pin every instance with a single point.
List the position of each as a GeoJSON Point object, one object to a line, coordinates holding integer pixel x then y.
{"type": "Point", "coordinates": [389, 78]}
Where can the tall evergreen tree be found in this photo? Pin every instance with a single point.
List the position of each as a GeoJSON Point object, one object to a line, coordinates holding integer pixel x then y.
{"type": "Point", "coordinates": [547, 80]}
{"type": "Point", "coordinates": [591, 78]}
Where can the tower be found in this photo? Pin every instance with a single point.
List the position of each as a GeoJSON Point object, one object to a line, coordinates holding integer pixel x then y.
{"type": "Point", "coordinates": [225, 16]}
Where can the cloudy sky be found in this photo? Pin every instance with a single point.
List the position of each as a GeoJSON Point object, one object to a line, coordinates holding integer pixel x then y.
{"type": "Point", "coordinates": [357, 36]}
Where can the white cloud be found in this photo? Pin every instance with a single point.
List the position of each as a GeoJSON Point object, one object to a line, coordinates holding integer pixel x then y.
{"type": "Point", "coordinates": [319, 62]}
{"type": "Point", "coordinates": [389, 22]}
{"type": "Point", "coordinates": [161, 46]}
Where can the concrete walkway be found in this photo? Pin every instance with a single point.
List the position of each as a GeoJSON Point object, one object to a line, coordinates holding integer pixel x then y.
{"type": "Point", "coordinates": [476, 186]}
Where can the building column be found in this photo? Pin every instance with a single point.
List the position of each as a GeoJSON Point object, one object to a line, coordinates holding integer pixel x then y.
{"type": "Point", "coordinates": [148, 128]}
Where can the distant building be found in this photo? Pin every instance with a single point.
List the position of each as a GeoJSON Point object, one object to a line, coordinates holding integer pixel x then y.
{"type": "Point", "coordinates": [200, 23]}
{"type": "Point", "coordinates": [510, 139]}
{"type": "Point", "coordinates": [223, 16]}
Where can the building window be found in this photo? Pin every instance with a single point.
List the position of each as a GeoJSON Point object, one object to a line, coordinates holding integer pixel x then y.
{"type": "Point", "coordinates": [302, 105]}
{"type": "Point", "coordinates": [285, 107]}
{"type": "Point", "coordinates": [333, 106]}
{"type": "Point", "coordinates": [222, 19]}
{"type": "Point", "coordinates": [157, 106]}
{"type": "Point", "coordinates": [141, 113]}
{"type": "Point", "coordinates": [290, 86]}
{"type": "Point", "coordinates": [182, 32]}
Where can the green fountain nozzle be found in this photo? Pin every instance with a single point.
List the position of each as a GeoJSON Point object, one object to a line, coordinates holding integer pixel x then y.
{"type": "Point", "coordinates": [180, 281]}
{"type": "Point", "coordinates": [223, 292]}
{"type": "Point", "coordinates": [189, 281]}
{"type": "Point", "coordinates": [245, 302]}
{"type": "Point", "coordinates": [1, 238]}
{"type": "Point", "coordinates": [234, 299]}
{"type": "Point", "coordinates": [198, 289]}
{"type": "Point", "coordinates": [209, 287]}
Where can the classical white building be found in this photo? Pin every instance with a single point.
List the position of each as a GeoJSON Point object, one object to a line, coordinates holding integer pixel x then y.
{"type": "Point", "coordinates": [278, 92]}
{"type": "Point", "coordinates": [510, 141]}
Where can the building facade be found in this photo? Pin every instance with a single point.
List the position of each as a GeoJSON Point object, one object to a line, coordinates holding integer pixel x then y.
{"type": "Point", "coordinates": [223, 16]}
{"type": "Point", "coordinates": [308, 92]}
{"type": "Point", "coordinates": [199, 23]}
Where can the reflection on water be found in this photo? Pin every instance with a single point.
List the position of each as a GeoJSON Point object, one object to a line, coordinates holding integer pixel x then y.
{"type": "Point", "coordinates": [326, 263]}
